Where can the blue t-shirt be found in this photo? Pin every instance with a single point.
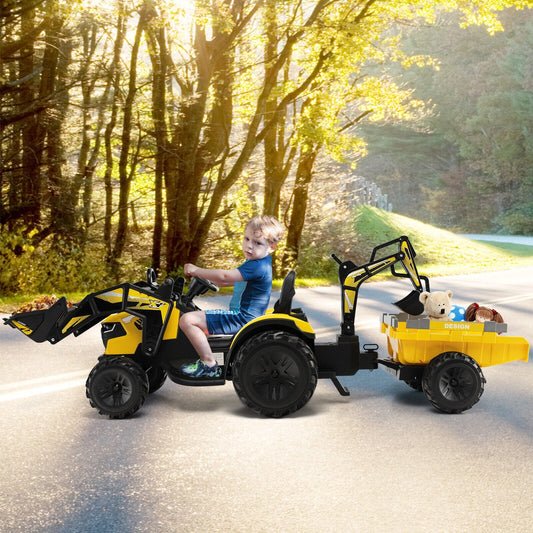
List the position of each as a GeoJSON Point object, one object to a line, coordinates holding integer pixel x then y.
{"type": "Point", "coordinates": [252, 296]}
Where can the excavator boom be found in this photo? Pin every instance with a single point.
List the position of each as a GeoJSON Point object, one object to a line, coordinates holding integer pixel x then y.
{"type": "Point", "coordinates": [351, 277]}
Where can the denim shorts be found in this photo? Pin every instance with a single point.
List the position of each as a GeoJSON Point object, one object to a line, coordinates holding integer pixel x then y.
{"type": "Point", "coordinates": [221, 322]}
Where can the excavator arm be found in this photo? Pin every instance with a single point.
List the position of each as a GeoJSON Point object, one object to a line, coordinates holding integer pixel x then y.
{"type": "Point", "coordinates": [351, 277]}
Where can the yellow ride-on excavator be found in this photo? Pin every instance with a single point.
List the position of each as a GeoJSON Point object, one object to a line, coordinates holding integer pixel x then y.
{"type": "Point", "coordinates": [274, 361]}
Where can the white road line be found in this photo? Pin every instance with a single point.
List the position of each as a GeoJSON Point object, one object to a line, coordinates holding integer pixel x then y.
{"type": "Point", "coordinates": [517, 298]}
{"type": "Point", "coordinates": [45, 385]}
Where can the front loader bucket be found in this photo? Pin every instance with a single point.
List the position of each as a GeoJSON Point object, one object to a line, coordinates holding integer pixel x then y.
{"type": "Point", "coordinates": [154, 306]}
{"type": "Point", "coordinates": [411, 303]}
{"type": "Point", "coordinates": [40, 325]}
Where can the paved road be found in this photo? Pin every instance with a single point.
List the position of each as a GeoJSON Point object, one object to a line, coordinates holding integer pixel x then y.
{"type": "Point", "coordinates": [196, 460]}
{"type": "Point", "coordinates": [525, 240]}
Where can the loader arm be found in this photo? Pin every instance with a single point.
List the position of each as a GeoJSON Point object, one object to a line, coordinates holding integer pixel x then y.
{"type": "Point", "coordinates": [54, 324]}
{"type": "Point", "coordinates": [351, 277]}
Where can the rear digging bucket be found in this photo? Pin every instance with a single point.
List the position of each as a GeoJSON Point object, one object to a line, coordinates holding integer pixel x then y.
{"type": "Point", "coordinates": [411, 304]}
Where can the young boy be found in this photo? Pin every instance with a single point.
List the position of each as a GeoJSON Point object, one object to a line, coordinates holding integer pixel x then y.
{"type": "Point", "coordinates": [252, 283]}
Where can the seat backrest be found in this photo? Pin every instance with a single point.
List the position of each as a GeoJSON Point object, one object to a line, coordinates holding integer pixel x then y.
{"type": "Point", "coordinates": [284, 303]}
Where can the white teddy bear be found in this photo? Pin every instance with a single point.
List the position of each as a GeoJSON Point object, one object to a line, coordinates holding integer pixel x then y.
{"type": "Point", "coordinates": [437, 305]}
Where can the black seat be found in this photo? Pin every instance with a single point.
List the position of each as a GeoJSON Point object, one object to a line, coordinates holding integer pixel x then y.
{"type": "Point", "coordinates": [284, 303]}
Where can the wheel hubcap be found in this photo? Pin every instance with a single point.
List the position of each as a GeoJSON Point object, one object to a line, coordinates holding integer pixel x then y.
{"type": "Point", "coordinates": [114, 389]}
{"type": "Point", "coordinates": [456, 384]}
{"type": "Point", "coordinates": [275, 379]}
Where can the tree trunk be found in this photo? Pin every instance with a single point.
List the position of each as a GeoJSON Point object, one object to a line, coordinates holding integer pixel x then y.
{"type": "Point", "coordinates": [157, 48]}
{"type": "Point", "coordinates": [274, 142]}
{"type": "Point", "coordinates": [31, 186]}
{"type": "Point", "coordinates": [193, 157]}
{"type": "Point", "coordinates": [189, 219]}
{"type": "Point", "coordinates": [63, 198]}
{"type": "Point", "coordinates": [124, 159]}
{"type": "Point", "coordinates": [88, 157]}
{"type": "Point", "coordinates": [114, 82]}
{"type": "Point", "coordinates": [304, 175]}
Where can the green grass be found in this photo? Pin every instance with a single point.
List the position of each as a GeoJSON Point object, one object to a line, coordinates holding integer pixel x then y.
{"type": "Point", "coordinates": [439, 252]}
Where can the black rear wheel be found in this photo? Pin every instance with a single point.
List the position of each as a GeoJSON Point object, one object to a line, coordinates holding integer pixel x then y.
{"type": "Point", "coordinates": [275, 373]}
{"type": "Point", "coordinates": [453, 382]}
{"type": "Point", "coordinates": [117, 387]}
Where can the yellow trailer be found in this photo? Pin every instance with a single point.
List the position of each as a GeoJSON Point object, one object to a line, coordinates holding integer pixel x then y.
{"type": "Point", "coordinates": [444, 358]}
{"type": "Point", "coordinates": [416, 341]}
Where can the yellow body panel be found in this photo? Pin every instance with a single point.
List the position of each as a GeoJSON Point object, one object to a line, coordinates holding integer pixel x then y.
{"type": "Point", "coordinates": [171, 331]}
{"type": "Point", "coordinates": [113, 297]}
{"type": "Point", "coordinates": [126, 344]}
{"type": "Point", "coordinates": [411, 345]}
{"type": "Point", "coordinates": [302, 325]}
{"type": "Point", "coordinates": [71, 323]}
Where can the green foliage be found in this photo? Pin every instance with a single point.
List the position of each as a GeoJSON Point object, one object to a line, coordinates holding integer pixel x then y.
{"type": "Point", "coordinates": [14, 246]}
{"type": "Point", "coordinates": [54, 266]}
{"type": "Point", "coordinates": [320, 241]}
{"type": "Point", "coordinates": [518, 223]}
{"type": "Point", "coordinates": [469, 166]}
{"type": "Point", "coordinates": [329, 64]}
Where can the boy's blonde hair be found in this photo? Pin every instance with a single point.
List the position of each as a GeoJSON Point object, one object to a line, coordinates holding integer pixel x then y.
{"type": "Point", "coordinates": [268, 227]}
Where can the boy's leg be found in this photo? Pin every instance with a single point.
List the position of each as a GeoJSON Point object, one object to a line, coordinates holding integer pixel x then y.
{"type": "Point", "coordinates": [194, 325]}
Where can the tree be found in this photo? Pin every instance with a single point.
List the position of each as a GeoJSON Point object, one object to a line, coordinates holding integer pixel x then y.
{"type": "Point", "coordinates": [198, 154]}
{"type": "Point", "coordinates": [188, 100]}
{"type": "Point", "coordinates": [474, 150]}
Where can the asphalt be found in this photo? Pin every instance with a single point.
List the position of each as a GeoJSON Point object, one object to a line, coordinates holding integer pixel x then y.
{"type": "Point", "coordinates": [194, 460]}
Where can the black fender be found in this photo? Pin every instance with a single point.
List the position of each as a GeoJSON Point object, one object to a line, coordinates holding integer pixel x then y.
{"type": "Point", "coordinates": [277, 322]}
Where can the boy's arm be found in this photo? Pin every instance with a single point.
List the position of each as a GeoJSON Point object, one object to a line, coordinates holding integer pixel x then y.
{"type": "Point", "coordinates": [223, 278]}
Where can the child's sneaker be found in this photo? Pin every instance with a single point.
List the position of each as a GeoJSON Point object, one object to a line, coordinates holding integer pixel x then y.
{"type": "Point", "coordinates": [199, 369]}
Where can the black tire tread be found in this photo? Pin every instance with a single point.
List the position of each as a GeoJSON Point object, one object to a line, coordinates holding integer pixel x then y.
{"type": "Point", "coordinates": [300, 346]}
{"type": "Point", "coordinates": [432, 392]}
{"type": "Point", "coordinates": [136, 371]}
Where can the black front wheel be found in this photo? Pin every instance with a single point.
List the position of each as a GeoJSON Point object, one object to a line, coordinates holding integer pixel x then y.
{"type": "Point", "coordinates": [275, 373]}
{"type": "Point", "coordinates": [156, 378]}
{"type": "Point", "coordinates": [117, 387]}
{"type": "Point", "coordinates": [453, 382]}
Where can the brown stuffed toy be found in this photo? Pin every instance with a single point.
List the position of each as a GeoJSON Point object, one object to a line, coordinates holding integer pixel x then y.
{"type": "Point", "coordinates": [476, 313]}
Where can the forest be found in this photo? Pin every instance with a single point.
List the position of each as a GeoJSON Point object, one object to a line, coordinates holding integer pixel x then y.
{"type": "Point", "coordinates": [145, 133]}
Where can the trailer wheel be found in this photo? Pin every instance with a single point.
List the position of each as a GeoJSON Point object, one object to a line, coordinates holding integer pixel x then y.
{"type": "Point", "coordinates": [453, 382]}
{"type": "Point", "coordinates": [156, 378]}
{"type": "Point", "coordinates": [117, 387]}
{"type": "Point", "coordinates": [275, 373]}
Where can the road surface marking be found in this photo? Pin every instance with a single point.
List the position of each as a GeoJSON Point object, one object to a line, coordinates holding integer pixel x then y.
{"type": "Point", "coordinates": [516, 298]}
{"type": "Point", "coordinates": [45, 385]}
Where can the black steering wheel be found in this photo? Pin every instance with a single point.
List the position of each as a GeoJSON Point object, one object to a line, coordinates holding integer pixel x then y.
{"type": "Point", "coordinates": [207, 284]}
{"type": "Point", "coordinates": [197, 287]}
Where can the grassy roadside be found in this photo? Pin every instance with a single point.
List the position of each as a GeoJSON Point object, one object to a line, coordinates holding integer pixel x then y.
{"type": "Point", "coordinates": [439, 252]}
